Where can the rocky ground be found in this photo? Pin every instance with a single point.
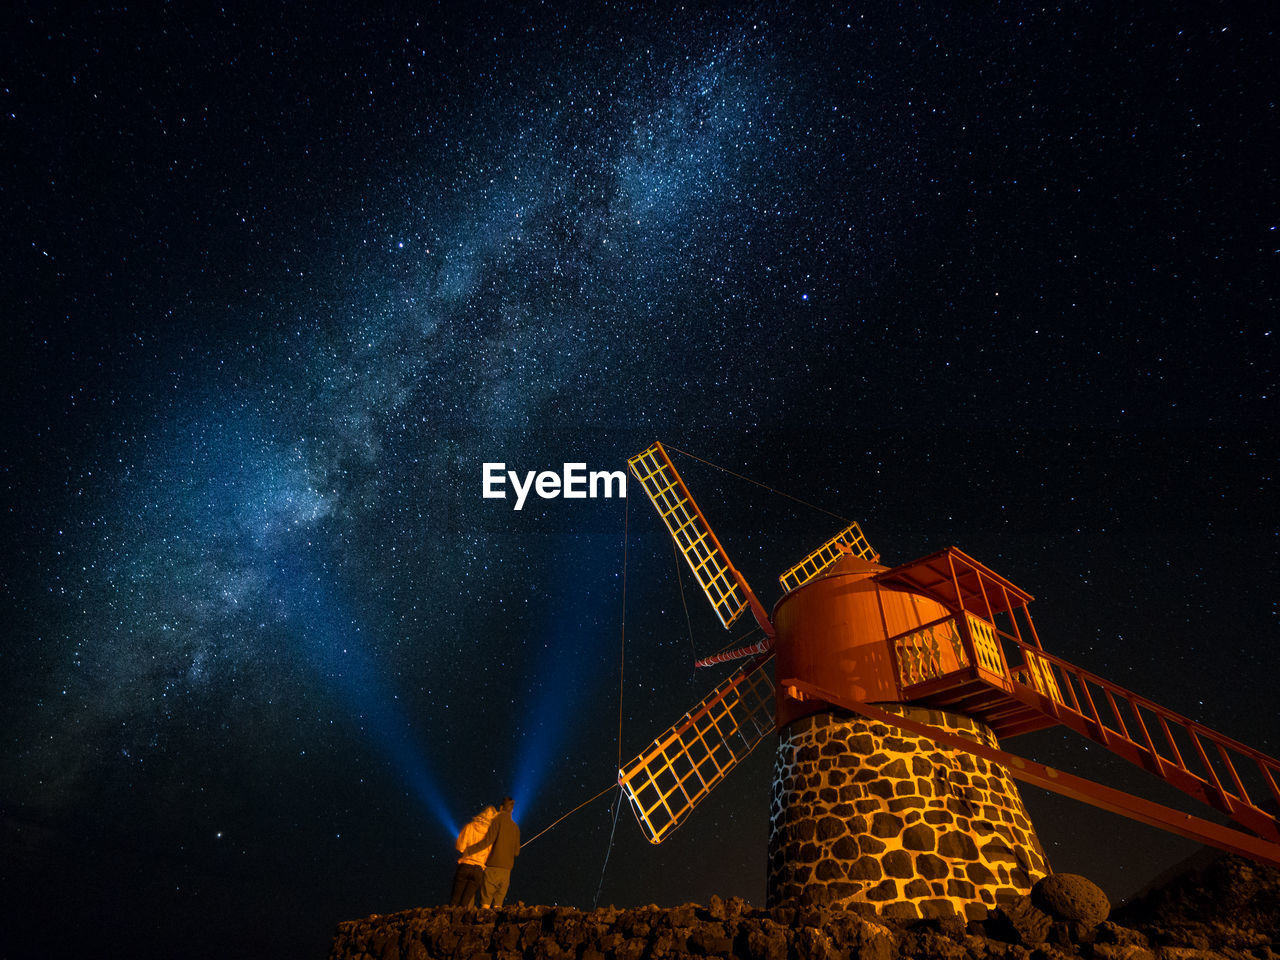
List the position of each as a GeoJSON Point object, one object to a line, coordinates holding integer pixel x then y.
{"type": "Point", "coordinates": [1228, 911]}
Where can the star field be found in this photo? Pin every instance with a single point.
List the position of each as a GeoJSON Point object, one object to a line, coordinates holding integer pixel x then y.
{"type": "Point", "coordinates": [278, 282]}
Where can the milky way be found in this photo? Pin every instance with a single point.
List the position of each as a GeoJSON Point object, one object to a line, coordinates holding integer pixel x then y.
{"type": "Point", "coordinates": [279, 285]}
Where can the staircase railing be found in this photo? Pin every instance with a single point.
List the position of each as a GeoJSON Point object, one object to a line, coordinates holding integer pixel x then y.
{"type": "Point", "coordinates": [1229, 776]}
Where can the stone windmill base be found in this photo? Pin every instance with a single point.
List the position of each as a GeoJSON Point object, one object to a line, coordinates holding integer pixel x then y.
{"type": "Point", "coordinates": [864, 814]}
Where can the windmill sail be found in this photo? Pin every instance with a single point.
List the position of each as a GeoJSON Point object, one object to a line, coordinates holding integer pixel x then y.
{"type": "Point", "coordinates": [677, 771]}
{"type": "Point", "coordinates": [722, 584]}
{"type": "Point", "coordinates": [850, 538]}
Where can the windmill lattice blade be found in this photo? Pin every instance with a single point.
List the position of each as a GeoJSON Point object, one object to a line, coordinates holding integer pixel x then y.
{"type": "Point", "coordinates": [827, 554]}
{"type": "Point", "coordinates": [688, 527]}
{"type": "Point", "coordinates": [677, 771]}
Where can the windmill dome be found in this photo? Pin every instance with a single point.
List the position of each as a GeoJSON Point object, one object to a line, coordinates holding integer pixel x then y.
{"type": "Point", "coordinates": [852, 564]}
{"type": "Point", "coordinates": [836, 632]}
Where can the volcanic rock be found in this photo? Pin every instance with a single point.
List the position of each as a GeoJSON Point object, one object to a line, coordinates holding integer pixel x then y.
{"type": "Point", "coordinates": [1230, 911]}
{"type": "Point", "coordinates": [1021, 921]}
{"type": "Point", "coordinates": [1232, 903]}
{"type": "Point", "coordinates": [1071, 897]}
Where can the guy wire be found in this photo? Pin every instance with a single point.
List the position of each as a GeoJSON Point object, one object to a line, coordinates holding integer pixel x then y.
{"type": "Point", "coordinates": [567, 815]}
{"type": "Point", "coordinates": [675, 553]}
{"type": "Point", "coordinates": [622, 653]}
{"type": "Point", "coordinates": [806, 503]}
{"type": "Point", "coordinates": [622, 664]}
{"type": "Point", "coordinates": [617, 809]}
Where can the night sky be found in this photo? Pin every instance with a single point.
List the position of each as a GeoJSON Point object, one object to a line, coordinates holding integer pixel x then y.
{"type": "Point", "coordinates": [276, 284]}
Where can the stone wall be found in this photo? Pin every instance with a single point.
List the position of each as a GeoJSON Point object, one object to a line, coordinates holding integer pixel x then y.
{"type": "Point", "coordinates": [870, 817]}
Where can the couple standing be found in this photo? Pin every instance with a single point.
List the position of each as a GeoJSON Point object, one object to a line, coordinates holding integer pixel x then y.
{"type": "Point", "coordinates": [487, 848]}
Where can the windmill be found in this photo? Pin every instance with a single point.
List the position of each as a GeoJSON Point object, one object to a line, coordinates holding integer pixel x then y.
{"type": "Point", "coordinates": [891, 792]}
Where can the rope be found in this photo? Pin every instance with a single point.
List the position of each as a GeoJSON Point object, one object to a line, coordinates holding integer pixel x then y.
{"type": "Point", "coordinates": [567, 815]}
{"type": "Point", "coordinates": [622, 665]}
{"type": "Point", "coordinates": [621, 669]}
{"type": "Point", "coordinates": [806, 503]}
{"type": "Point", "coordinates": [622, 654]}
{"type": "Point", "coordinates": [688, 625]}
{"type": "Point", "coordinates": [617, 809]}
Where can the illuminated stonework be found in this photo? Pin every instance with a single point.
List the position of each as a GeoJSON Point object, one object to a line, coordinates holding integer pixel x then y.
{"type": "Point", "coordinates": [877, 819]}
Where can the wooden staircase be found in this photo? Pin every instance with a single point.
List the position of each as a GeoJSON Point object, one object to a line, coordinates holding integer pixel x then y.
{"type": "Point", "coordinates": [1014, 687]}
